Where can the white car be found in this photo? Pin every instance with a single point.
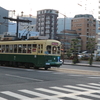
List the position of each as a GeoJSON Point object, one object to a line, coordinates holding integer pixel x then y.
{"type": "Point", "coordinates": [80, 56]}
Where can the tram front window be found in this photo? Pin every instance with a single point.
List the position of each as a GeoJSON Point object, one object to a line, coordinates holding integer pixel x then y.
{"type": "Point", "coordinates": [54, 49]}
{"type": "Point", "coordinates": [49, 49]}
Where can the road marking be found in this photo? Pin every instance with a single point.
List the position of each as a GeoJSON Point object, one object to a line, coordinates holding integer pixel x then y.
{"type": "Point", "coordinates": [88, 86]}
{"type": "Point", "coordinates": [58, 73]}
{"type": "Point", "coordinates": [23, 77]}
{"type": "Point", "coordinates": [3, 98]}
{"type": "Point", "coordinates": [64, 89]}
{"type": "Point", "coordinates": [70, 95]}
{"type": "Point", "coordinates": [76, 75]}
{"type": "Point", "coordinates": [50, 91]}
{"type": "Point", "coordinates": [93, 95]}
{"type": "Point", "coordinates": [94, 84]}
{"type": "Point", "coordinates": [43, 71]}
{"type": "Point", "coordinates": [15, 95]}
{"type": "Point", "coordinates": [94, 77]}
{"type": "Point", "coordinates": [43, 96]}
{"type": "Point", "coordinates": [58, 93]}
{"type": "Point", "coordinates": [76, 87]}
{"type": "Point", "coordinates": [29, 70]}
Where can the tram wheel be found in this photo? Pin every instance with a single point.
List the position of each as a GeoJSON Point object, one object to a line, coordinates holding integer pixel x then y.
{"type": "Point", "coordinates": [46, 68]}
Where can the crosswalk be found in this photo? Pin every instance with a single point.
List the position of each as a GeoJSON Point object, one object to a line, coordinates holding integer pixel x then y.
{"type": "Point", "coordinates": [89, 91]}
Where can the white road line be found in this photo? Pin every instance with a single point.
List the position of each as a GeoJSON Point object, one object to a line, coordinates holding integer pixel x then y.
{"type": "Point", "coordinates": [49, 91]}
{"type": "Point", "coordinates": [29, 70]}
{"type": "Point", "coordinates": [76, 75]}
{"type": "Point", "coordinates": [64, 89]}
{"type": "Point", "coordinates": [94, 84]}
{"type": "Point", "coordinates": [88, 86]}
{"type": "Point", "coordinates": [70, 95]}
{"type": "Point", "coordinates": [23, 77]}
{"type": "Point", "coordinates": [43, 96]}
{"type": "Point", "coordinates": [58, 73]}
{"type": "Point", "coordinates": [93, 95]}
{"type": "Point", "coordinates": [44, 71]}
{"type": "Point", "coordinates": [3, 98]}
{"type": "Point", "coordinates": [94, 77]}
{"type": "Point", "coordinates": [15, 95]}
{"type": "Point", "coordinates": [77, 87]}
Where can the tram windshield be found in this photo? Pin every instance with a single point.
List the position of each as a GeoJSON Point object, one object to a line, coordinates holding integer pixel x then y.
{"type": "Point", "coordinates": [52, 49]}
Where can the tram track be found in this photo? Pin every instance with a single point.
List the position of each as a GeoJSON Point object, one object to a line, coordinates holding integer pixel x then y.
{"type": "Point", "coordinates": [65, 70]}
{"type": "Point", "coordinates": [76, 71]}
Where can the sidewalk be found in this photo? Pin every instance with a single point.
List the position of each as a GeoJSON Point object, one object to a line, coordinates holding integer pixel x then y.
{"type": "Point", "coordinates": [82, 63]}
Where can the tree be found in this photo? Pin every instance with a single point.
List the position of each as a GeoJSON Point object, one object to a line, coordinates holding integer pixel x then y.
{"type": "Point", "coordinates": [91, 47]}
{"type": "Point", "coordinates": [75, 45]}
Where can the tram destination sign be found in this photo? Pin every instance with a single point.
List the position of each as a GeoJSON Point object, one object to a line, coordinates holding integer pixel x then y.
{"type": "Point", "coordinates": [54, 43]}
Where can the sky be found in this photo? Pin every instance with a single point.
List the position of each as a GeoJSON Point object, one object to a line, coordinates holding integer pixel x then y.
{"type": "Point", "coordinates": [68, 7]}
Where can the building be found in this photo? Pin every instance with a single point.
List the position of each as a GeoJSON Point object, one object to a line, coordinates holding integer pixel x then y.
{"type": "Point", "coordinates": [3, 22]}
{"type": "Point", "coordinates": [24, 28]}
{"type": "Point", "coordinates": [29, 26]}
{"type": "Point", "coordinates": [61, 24]}
{"type": "Point", "coordinates": [47, 23]}
{"type": "Point", "coordinates": [98, 33]}
{"type": "Point", "coordinates": [66, 39]}
{"type": "Point", "coordinates": [85, 26]}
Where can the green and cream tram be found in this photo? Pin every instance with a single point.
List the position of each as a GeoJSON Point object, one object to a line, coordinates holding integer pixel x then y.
{"type": "Point", "coordinates": [31, 53]}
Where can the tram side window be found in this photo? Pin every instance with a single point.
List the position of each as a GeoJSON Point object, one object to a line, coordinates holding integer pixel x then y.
{"type": "Point", "coordinates": [11, 48]}
{"type": "Point", "coordinates": [24, 48]}
{"type": "Point", "coordinates": [7, 48]}
{"type": "Point", "coordinates": [54, 49]}
{"type": "Point", "coordinates": [58, 51]}
{"type": "Point", "coordinates": [19, 48]}
{"type": "Point", "coordinates": [34, 47]}
{"type": "Point", "coordinates": [49, 49]}
{"type": "Point", "coordinates": [15, 48]}
{"type": "Point", "coordinates": [29, 48]}
{"type": "Point", "coordinates": [41, 48]}
{"type": "Point", "coordinates": [3, 48]}
{"type": "Point", "coordinates": [38, 48]}
{"type": "Point", "coordinates": [0, 49]}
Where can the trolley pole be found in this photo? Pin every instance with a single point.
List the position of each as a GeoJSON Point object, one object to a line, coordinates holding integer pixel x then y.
{"type": "Point", "coordinates": [17, 20]}
{"type": "Point", "coordinates": [63, 35]}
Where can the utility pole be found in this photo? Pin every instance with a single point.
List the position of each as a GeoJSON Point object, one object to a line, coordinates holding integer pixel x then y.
{"type": "Point", "coordinates": [17, 20]}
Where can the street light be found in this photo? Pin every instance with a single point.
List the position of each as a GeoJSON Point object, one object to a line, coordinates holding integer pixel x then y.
{"type": "Point", "coordinates": [64, 34]}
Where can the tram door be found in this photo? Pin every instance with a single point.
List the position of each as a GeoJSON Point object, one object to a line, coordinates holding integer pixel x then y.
{"type": "Point", "coordinates": [40, 55]}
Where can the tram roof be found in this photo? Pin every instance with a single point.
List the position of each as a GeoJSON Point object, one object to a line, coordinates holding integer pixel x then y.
{"type": "Point", "coordinates": [28, 41]}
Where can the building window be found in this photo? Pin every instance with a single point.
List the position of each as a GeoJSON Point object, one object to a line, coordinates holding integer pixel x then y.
{"type": "Point", "coordinates": [87, 19]}
{"type": "Point", "coordinates": [79, 29]}
{"type": "Point", "coordinates": [87, 30]}
{"type": "Point", "coordinates": [87, 25]}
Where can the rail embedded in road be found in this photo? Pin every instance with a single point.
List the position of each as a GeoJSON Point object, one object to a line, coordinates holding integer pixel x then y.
{"type": "Point", "coordinates": [77, 71]}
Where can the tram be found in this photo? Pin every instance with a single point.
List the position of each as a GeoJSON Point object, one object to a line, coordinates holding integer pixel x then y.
{"type": "Point", "coordinates": [31, 53]}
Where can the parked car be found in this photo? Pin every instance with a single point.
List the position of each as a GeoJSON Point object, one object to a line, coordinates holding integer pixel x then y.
{"type": "Point", "coordinates": [80, 56]}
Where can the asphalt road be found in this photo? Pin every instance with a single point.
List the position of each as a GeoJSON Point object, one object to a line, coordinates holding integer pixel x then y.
{"type": "Point", "coordinates": [52, 84]}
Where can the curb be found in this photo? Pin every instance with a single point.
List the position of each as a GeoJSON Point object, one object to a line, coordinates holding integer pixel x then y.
{"type": "Point", "coordinates": [86, 65]}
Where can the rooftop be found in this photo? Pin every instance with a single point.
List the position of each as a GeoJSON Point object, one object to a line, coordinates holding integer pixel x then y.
{"type": "Point", "coordinates": [83, 15]}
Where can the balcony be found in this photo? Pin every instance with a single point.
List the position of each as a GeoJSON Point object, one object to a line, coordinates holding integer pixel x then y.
{"type": "Point", "coordinates": [42, 23]}
{"type": "Point", "coordinates": [48, 18]}
{"type": "Point", "coordinates": [48, 22]}
{"type": "Point", "coordinates": [47, 31]}
{"type": "Point", "coordinates": [42, 28]}
{"type": "Point", "coordinates": [48, 27]}
{"type": "Point", "coordinates": [42, 19]}
{"type": "Point", "coordinates": [42, 33]}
